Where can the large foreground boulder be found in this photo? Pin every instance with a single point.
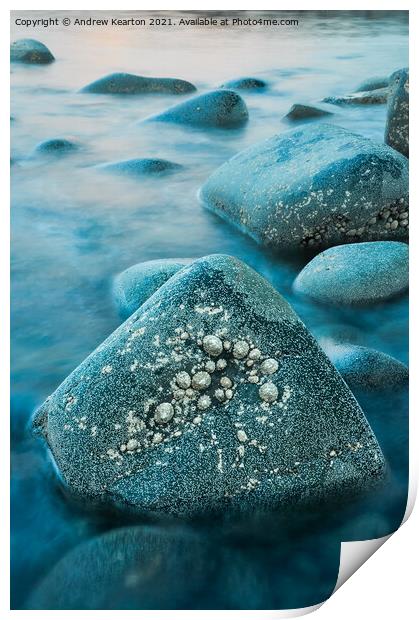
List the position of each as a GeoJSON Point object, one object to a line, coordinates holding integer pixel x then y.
{"type": "Point", "coordinates": [397, 127]}
{"type": "Point", "coordinates": [315, 186]}
{"type": "Point", "coordinates": [213, 396]}
{"type": "Point", "coordinates": [30, 51]}
{"type": "Point", "coordinates": [128, 84]}
{"type": "Point", "coordinates": [133, 286]}
{"type": "Point", "coordinates": [218, 108]}
{"type": "Point", "coordinates": [356, 274]}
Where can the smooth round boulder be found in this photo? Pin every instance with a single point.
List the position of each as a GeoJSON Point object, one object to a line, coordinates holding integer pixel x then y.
{"type": "Point", "coordinates": [397, 126]}
{"type": "Point", "coordinates": [373, 83]}
{"type": "Point", "coordinates": [30, 51]}
{"type": "Point", "coordinates": [313, 187]}
{"type": "Point", "coordinates": [129, 84]}
{"type": "Point", "coordinates": [141, 167]}
{"type": "Point", "coordinates": [356, 274]}
{"type": "Point", "coordinates": [370, 97]}
{"type": "Point", "coordinates": [218, 108]}
{"type": "Point", "coordinates": [57, 146]}
{"type": "Point", "coordinates": [132, 287]}
{"type": "Point", "coordinates": [362, 367]}
{"type": "Point", "coordinates": [245, 83]}
{"type": "Point", "coordinates": [301, 112]}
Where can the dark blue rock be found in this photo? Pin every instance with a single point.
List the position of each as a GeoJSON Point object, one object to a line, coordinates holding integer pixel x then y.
{"type": "Point", "coordinates": [356, 274]}
{"type": "Point", "coordinates": [397, 127]}
{"type": "Point", "coordinates": [135, 285]}
{"type": "Point", "coordinates": [370, 97]}
{"type": "Point", "coordinates": [301, 112]}
{"type": "Point", "coordinates": [211, 398]}
{"type": "Point", "coordinates": [128, 84]}
{"type": "Point", "coordinates": [367, 368]}
{"type": "Point", "coordinates": [218, 108]}
{"type": "Point", "coordinates": [30, 51]}
{"type": "Point", "coordinates": [373, 83]}
{"type": "Point", "coordinates": [245, 83]}
{"type": "Point", "coordinates": [141, 167]}
{"type": "Point", "coordinates": [58, 146]}
{"type": "Point", "coordinates": [316, 186]}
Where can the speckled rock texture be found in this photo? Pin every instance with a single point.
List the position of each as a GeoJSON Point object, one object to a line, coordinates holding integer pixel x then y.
{"type": "Point", "coordinates": [300, 112]}
{"type": "Point", "coordinates": [132, 287]}
{"type": "Point", "coordinates": [370, 97]}
{"type": "Point", "coordinates": [245, 83]}
{"type": "Point", "coordinates": [211, 398]}
{"type": "Point", "coordinates": [31, 52]}
{"type": "Point", "coordinates": [57, 146]}
{"type": "Point", "coordinates": [128, 84]}
{"type": "Point", "coordinates": [218, 108]}
{"type": "Point", "coordinates": [356, 274]}
{"type": "Point", "coordinates": [315, 186]}
{"type": "Point", "coordinates": [373, 83]}
{"type": "Point", "coordinates": [362, 367]}
{"type": "Point", "coordinates": [397, 127]}
{"type": "Point", "coordinates": [141, 167]}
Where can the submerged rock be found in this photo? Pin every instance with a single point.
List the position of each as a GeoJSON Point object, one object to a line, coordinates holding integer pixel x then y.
{"type": "Point", "coordinates": [130, 568]}
{"type": "Point", "coordinates": [373, 83]}
{"type": "Point", "coordinates": [337, 333]}
{"type": "Point", "coordinates": [213, 396]}
{"type": "Point", "coordinates": [359, 273]}
{"type": "Point", "coordinates": [315, 186]}
{"type": "Point", "coordinates": [128, 84]}
{"type": "Point", "coordinates": [245, 83]}
{"type": "Point", "coordinates": [218, 108]}
{"type": "Point", "coordinates": [370, 97]}
{"type": "Point", "coordinates": [397, 127]}
{"type": "Point", "coordinates": [136, 284]}
{"type": "Point", "coordinates": [59, 146]}
{"type": "Point", "coordinates": [300, 112]}
{"type": "Point", "coordinates": [141, 167]}
{"type": "Point", "coordinates": [366, 368]}
{"type": "Point", "coordinates": [30, 51]}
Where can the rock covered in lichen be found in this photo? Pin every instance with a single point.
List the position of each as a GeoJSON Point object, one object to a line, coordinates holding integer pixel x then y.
{"type": "Point", "coordinates": [358, 273]}
{"type": "Point", "coordinates": [141, 167]}
{"type": "Point", "coordinates": [30, 51]}
{"type": "Point", "coordinates": [276, 425]}
{"type": "Point", "coordinates": [373, 83]}
{"type": "Point", "coordinates": [362, 367]}
{"type": "Point", "coordinates": [301, 112]}
{"type": "Point", "coordinates": [369, 97]}
{"type": "Point", "coordinates": [129, 84]}
{"type": "Point", "coordinates": [315, 186]}
{"type": "Point", "coordinates": [397, 127]}
{"type": "Point", "coordinates": [132, 287]}
{"type": "Point", "coordinates": [57, 146]}
{"type": "Point", "coordinates": [245, 83]}
{"type": "Point", "coordinates": [218, 108]}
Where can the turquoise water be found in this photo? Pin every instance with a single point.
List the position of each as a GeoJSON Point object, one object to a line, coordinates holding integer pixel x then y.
{"type": "Point", "coordinates": [74, 228]}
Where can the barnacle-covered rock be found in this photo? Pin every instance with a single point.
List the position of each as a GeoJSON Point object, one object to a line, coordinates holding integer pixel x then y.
{"type": "Point", "coordinates": [30, 51]}
{"type": "Point", "coordinates": [397, 127]}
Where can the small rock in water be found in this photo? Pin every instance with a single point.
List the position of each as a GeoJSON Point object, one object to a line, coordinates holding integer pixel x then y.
{"type": "Point", "coordinates": [246, 447]}
{"type": "Point", "coordinates": [128, 84]}
{"type": "Point", "coordinates": [370, 97]}
{"type": "Point", "coordinates": [141, 167]}
{"type": "Point", "coordinates": [356, 274]}
{"type": "Point", "coordinates": [132, 287]}
{"type": "Point", "coordinates": [367, 368]}
{"type": "Point", "coordinates": [30, 51]}
{"type": "Point", "coordinates": [373, 83]}
{"type": "Point", "coordinates": [300, 112]}
{"type": "Point", "coordinates": [218, 108]}
{"type": "Point", "coordinates": [59, 146]}
{"type": "Point", "coordinates": [397, 127]}
{"type": "Point", "coordinates": [312, 187]}
{"type": "Point", "coordinates": [246, 83]}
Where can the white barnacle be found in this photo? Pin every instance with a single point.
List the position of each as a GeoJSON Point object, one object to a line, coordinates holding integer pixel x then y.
{"type": "Point", "coordinates": [253, 379]}
{"type": "Point", "coordinates": [229, 394]}
{"type": "Point", "coordinates": [212, 345]}
{"type": "Point", "coordinates": [210, 366]}
{"type": "Point", "coordinates": [227, 345]}
{"type": "Point", "coordinates": [240, 349]}
{"type": "Point", "coordinates": [106, 369]}
{"type": "Point", "coordinates": [201, 380]}
{"type": "Point", "coordinates": [269, 366]}
{"type": "Point", "coordinates": [183, 379]}
{"type": "Point", "coordinates": [241, 436]}
{"type": "Point", "coordinates": [157, 438]}
{"type": "Point", "coordinates": [221, 364]}
{"type": "Point", "coordinates": [164, 413]}
{"type": "Point", "coordinates": [255, 354]}
{"type": "Point", "coordinates": [268, 392]}
{"type": "Point", "coordinates": [219, 395]}
{"type": "Point", "coordinates": [204, 402]}
{"type": "Point", "coordinates": [132, 444]}
{"type": "Point", "coordinates": [226, 382]}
